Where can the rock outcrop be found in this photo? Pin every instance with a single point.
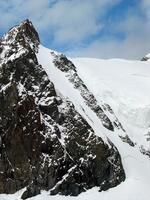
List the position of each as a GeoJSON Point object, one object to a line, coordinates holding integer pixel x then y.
{"type": "Point", "coordinates": [44, 142]}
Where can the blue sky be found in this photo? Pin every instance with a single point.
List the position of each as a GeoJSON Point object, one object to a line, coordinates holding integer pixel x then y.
{"type": "Point", "coordinates": [89, 28]}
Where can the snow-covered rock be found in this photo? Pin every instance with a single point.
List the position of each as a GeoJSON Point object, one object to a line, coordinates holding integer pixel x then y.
{"type": "Point", "coordinates": [46, 142]}
{"type": "Point", "coordinates": [70, 125]}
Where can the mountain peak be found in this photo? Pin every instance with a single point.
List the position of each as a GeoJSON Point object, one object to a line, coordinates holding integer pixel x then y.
{"type": "Point", "coordinates": [24, 34]}
{"type": "Point", "coordinates": [18, 41]}
{"type": "Point", "coordinates": [27, 27]}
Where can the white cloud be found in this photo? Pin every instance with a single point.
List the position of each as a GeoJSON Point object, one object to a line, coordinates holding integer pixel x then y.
{"type": "Point", "coordinates": [76, 20]}
{"type": "Point", "coordinates": [14, 11]}
{"type": "Point", "coordinates": [71, 22]}
{"type": "Point", "coordinates": [145, 4]}
{"type": "Point", "coordinates": [68, 20]}
{"type": "Point", "coordinates": [131, 48]}
{"type": "Point", "coordinates": [136, 42]}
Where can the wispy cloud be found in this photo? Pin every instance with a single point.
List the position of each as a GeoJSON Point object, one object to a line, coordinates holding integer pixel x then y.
{"type": "Point", "coordinates": [85, 28]}
{"type": "Point", "coordinates": [135, 29]}
{"type": "Point", "coordinates": [67, 19]}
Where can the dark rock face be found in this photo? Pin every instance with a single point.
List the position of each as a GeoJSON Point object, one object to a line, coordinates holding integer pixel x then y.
{"type": "Point", "coordinates": [145, 58]}
{"type": "Point", "coordinates": [44, 142]}
{"type": "Point", "coordinates": [127, 140]}
{"type": "Point", "coordinates": [144, 151]}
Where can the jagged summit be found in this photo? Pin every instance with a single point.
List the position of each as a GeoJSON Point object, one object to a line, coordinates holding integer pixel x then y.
{"type": "Point", "coordinates": [24, 30]}
{"type": "Point", "coordinates": [18, 41]}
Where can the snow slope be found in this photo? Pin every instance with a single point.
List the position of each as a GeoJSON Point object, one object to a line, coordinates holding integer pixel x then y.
{"type": "Point", "coordinates": [125, 86]}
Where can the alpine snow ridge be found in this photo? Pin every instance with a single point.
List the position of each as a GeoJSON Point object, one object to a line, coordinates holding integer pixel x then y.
{"type": "Point", "coordinates": [47, 140]}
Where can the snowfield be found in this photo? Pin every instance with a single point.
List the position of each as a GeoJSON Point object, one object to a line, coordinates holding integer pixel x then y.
{"type": "Point", "coordinates": [125, 86]}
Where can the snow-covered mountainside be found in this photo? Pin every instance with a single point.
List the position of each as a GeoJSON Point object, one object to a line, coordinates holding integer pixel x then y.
{"type": "Point", "coordinates": [125, 86]}
{"type": "Point", "coordinates": [71, 126]}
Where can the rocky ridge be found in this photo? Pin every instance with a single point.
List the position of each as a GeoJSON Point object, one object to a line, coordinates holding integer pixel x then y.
{"type": "Point", "coordinates": [66, 66]}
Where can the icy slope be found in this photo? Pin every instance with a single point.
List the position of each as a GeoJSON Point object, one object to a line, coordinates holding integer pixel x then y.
{"type": "Point", "coordinates": [125, 86]}
{"type": "Point", "coordinates": [64, 86]}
